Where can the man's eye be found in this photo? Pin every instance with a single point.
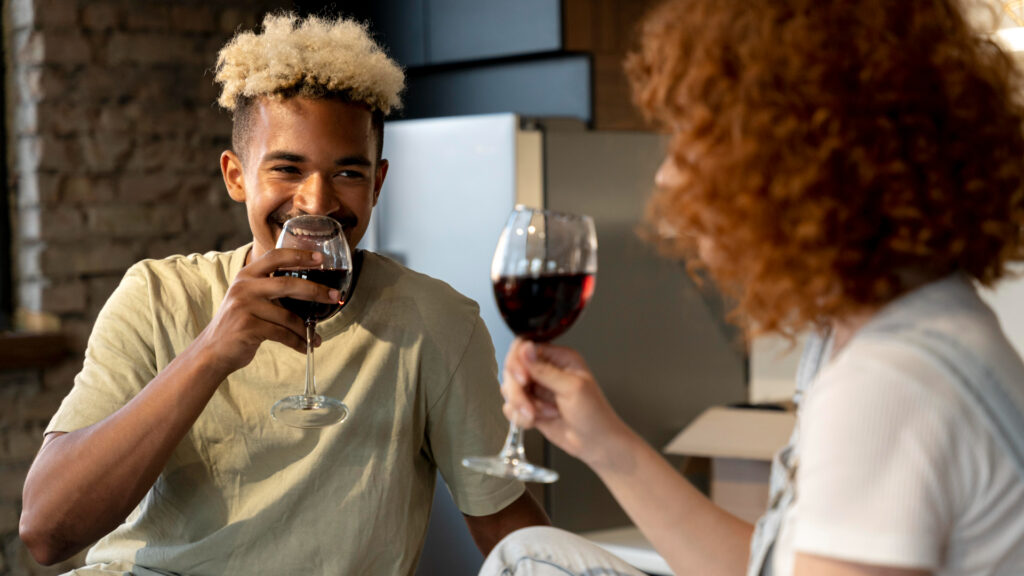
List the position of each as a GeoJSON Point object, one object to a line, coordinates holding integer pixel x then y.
{"type": "Point", "coordinates": [350, 174]}
{"type": "Point", "coordinates": [285, 169]}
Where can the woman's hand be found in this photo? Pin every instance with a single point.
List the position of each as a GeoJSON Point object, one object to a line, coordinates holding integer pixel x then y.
{"type": "Point", "coordinates": [550, 388]}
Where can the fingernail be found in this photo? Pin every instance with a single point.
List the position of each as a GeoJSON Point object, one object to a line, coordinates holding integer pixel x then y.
{"type": "Point", "coordinates": [317, 256]}
{"type": "Point", "coordinates": [519, 376]}
{"type": "Point", "coordinates": [531, 351]}
{"type": "Point", "coordinates": [334, 295]}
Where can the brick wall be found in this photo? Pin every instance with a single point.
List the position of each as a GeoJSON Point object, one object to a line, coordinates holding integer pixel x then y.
{"type": "Point", "coordinates": [114, 141]}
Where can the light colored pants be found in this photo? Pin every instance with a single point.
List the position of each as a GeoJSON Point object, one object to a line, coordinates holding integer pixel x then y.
{"type": "Point", "coordinates": [545, 551]}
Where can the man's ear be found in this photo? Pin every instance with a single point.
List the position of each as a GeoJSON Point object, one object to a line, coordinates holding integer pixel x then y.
{"type": "Point", "coordinates": [382, 171]}
{"type": "Point", "coordinates": [234, 175]}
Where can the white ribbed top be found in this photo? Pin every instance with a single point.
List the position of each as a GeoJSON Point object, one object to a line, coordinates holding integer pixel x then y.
{"type": "Point", "coordinates": [895, 470]}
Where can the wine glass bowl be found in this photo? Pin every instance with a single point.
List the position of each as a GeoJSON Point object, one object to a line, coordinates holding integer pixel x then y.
{"type": "Point", "coordinates": [324, 235]}
{"type": "Point", "coordinates": [543, 274]}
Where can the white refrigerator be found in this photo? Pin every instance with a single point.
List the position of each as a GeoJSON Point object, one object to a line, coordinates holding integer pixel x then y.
{"type": "Point", "coordinates": [657, 343]}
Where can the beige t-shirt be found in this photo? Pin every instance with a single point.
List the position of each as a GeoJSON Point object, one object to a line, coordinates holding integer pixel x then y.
{"type": "Point", "coordinates": [244, 494]}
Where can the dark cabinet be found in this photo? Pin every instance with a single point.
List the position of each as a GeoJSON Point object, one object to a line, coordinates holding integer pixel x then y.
{"type": "Point", "coordinates": [429, 32]}
{"type": "Point", "coordinates": [531, 57]}
{"type": "Point", "coordinates": [465, 30]}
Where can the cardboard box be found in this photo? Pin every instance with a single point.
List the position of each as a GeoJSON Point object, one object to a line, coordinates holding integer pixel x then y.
{"type": "Point", "coordinates": [740, 443]}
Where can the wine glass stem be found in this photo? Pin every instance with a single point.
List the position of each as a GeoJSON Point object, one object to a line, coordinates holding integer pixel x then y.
{"type": "Point", "coordinates": [310, 378]}
{"type": "Point", "coordinates": [513, 449]}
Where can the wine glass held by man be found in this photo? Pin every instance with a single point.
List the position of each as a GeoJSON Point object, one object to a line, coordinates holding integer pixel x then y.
{"type": "Point", "coordinates": [165, 455]}
{"type": "Point", "coordinates": [321, 234]}
{"type": "Point", "coordinates": [850, 170]}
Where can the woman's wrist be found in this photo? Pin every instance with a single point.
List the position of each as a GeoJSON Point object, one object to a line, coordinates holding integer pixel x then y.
{"type": "Point", "coordinates": [616, 453]}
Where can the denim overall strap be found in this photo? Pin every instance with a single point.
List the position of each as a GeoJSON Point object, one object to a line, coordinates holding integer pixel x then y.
{"type": "Point", "coordinates": [785, 463]}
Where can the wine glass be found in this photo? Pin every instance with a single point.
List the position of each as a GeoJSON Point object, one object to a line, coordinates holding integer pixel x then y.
{"type": "Point", "coordinates": [543, 273]}
{"type": "Point", "coordinates": [317, 234]}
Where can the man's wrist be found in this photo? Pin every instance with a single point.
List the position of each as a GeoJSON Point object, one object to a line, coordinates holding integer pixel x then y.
{"type": "Point", "coordinates": [204, 360]}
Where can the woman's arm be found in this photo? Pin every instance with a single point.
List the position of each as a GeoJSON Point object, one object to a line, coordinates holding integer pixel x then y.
{"type": "Point", "coordinates": [552, 389]}
{"type": "Point", "coordinates": [808, 565]}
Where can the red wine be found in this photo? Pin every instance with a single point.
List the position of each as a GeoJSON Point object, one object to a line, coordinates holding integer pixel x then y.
{"type": "Point", "coordinates": [543, 307]}
{"type": "Point", "coordinates": [316, 311]}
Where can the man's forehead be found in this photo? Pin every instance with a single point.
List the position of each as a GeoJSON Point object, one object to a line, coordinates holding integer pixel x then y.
{"type": "Point", "coordinates": [305, 105]}
{"type": "Point", "coordinates": [273, 118]}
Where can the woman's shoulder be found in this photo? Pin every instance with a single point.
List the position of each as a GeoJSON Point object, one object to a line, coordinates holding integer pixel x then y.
{"type": "Point", "coordinates": [934, 348]}
{"type": "Point", "coordinates": [888, 383]}
{"type": "Point", "coordinates": [893, 442]}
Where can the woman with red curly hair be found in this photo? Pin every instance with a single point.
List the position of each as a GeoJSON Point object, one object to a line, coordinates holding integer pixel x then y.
{"type": "Point", "coordinates": [851, 169]}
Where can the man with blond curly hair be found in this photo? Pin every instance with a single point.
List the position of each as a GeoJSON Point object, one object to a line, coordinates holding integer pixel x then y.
{"type": "Point", "coordinates": [165, 451]}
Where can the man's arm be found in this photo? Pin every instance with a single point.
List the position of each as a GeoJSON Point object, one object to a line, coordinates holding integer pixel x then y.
{"type": "Point", "coordinates": [84, 483]}
{"type": "Point", "coordinates": [488, 530]}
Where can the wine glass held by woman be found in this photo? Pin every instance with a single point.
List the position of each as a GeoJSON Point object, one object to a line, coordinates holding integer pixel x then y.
{"type": "Point", "coordinates": [852, 171]}
{"type": "Point", "coordinates": [543, 272]}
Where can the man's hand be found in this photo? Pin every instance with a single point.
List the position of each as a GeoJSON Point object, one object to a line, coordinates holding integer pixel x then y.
{"type": "Point", "coordinates": [249, 314]}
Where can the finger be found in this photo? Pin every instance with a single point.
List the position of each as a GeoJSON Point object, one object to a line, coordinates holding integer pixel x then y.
{"type": "Point", "coordinates": [554, 377]}
{"type": "Point", "coordinates": [546, 411]}
{"type": "Point", "coordinates": [276, 318]}
{"type": "Point", "coordinates": [271, 313]}
{"type": "Point", "coordinates": [518, 417]}
{"type": "Point", "coordinates": [517, 397]}
{"type": "Point", "coordinates": [561, 357]}
{"type": "Point", "coordinates": [543, 395]}
{"type": "Point", "coordinates": [297, 288]}
{"type": "Point", "coordinates": [514, 364]}
{"type": "Point", "coordinates": [514, 375]}
{"type": "Point", "coordinates": [285, 336]}
{"type": "Point", "coordinates": [281, 258]}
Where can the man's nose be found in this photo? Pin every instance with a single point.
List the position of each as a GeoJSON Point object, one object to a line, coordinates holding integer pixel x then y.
{"type": "Point", "coordinates": [316, 196]}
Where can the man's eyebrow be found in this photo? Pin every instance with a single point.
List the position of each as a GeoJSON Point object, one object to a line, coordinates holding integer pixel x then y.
{"type": "Point", "coordinates": [286, 156]}
{"type": "Point", "coordinates": [353, 161]}
{"type": "Point", "coordinates": [283, 155]}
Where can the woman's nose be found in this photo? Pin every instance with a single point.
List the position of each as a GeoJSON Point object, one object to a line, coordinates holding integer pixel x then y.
{"type": "Point", "coordinates": [668, 175]}
{"type": "Point", "coordinates": [316, 196]}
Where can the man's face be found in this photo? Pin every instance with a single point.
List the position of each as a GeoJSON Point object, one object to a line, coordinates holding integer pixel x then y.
{"type": "Point", "coordinates": [306, 156]}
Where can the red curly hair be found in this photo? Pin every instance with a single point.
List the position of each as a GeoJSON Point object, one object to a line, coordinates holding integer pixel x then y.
{"type": "Point", "coordinates": [831, 150]}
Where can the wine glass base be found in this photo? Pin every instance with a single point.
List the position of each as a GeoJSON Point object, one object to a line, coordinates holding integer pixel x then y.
{"type": "Point", "coordinates": [510, 468]}
{"type": "Point", "coordinates": [309, 411]}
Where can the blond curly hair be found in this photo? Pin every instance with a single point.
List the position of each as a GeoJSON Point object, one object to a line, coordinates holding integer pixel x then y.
{"type": "Point", "coordinates": [312, 57]}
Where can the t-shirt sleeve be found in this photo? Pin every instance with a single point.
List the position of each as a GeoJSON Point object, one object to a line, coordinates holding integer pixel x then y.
{"type": "Point", "coordinates": [873, 483]}
{"type": "Point", "coordinates": [119, 358]}
{"type": "Point", "coordinates": [466, 420]}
